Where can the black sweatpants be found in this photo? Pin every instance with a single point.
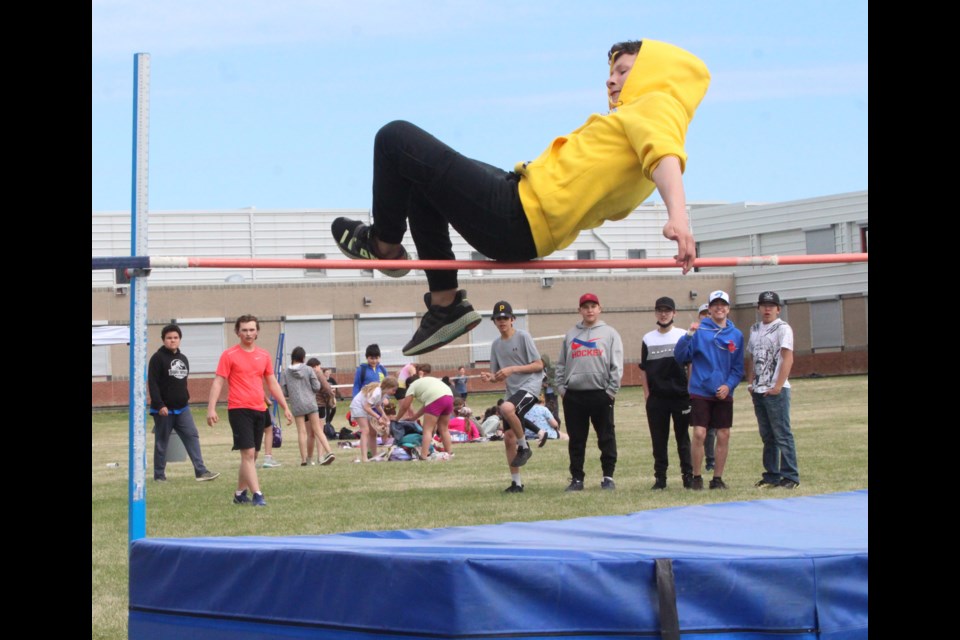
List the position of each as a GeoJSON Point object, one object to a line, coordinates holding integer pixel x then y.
{"type": "Point", "coordinates": [580, 408]}
{"type": "Point", "coordinates": [659, 412]}
{"type": "Point", "coordinates": [421, 181]}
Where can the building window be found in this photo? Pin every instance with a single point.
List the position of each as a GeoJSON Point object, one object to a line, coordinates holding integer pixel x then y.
{"type": "Point", "coordinates": [390, 334]}
{"type": "Point", "coordinates": [821, 241]}
{"type": "Point", "coordinates": [637, 254]}
{"type": "Point", "coordinates": [863, 239]}
{"type": "Point", "coordinates": [202, 342]}
{"type": "Point", "coordinates": [315, 256]}
{"type": "Point", "coordinates": [826, 325]}
{"type": "Point", "coordinates": [315, 335]}
{"type": "Point", "coordinates": [586, 254]}
{"type": "Point", "coordinates": [476, 255]}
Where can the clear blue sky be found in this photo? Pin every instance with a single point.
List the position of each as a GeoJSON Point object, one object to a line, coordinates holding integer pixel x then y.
{"type": "Point", "coordinates": [275, 104]}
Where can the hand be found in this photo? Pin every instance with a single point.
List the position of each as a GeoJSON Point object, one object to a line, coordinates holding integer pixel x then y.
{"type": "Point", "coordinates": [485, 376]}
{"type": "Point", "coordinates": [686, 247]}
{"type": "Point", "coordinates": [163, 411]}
{"type": "Point", "coordinates": [288, 415]}
{"type": "Point", "coordinates": [773, 391]}
{"type": "Point", "coordinates": [722, 392]}
{"type": "Point", "coordinates": [212, 417]}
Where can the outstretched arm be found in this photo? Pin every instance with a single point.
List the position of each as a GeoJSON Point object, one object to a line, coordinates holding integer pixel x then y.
{"type": "Point", "coordinates": [669, 180]}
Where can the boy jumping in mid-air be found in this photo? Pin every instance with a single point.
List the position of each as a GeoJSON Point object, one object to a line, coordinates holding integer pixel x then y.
{"type": "Point", "coordinates": [601, 171]}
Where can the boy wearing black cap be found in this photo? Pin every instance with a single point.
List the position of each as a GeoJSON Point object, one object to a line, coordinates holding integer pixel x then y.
{"type": "Point", "coordinates": [664, 383]}
{"type": "Point", "coordinates": [514, 359]}
{"type": "Point", "coordinates": [715, 348]}
{"type": "Point", "coordinates": [771, 345]}
{"type": "Point", "coordinates": [588, 377]}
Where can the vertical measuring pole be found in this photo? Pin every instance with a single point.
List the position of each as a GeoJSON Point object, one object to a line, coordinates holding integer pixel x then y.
{"type": "Point", "coordinates": [138, 300]}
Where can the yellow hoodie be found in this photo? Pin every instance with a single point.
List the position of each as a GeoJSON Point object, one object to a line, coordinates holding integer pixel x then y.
{"type": "Point", "coordinates": [603, 170]}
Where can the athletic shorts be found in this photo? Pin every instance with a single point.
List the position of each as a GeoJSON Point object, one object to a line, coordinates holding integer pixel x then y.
{"type": "Point", "coordinates": [523, 401]}
{"type": "Point", "coordinates": [247, 426]}
{"type": "Point", "coordinates": [711, 412]}
{"type": "Point", "coordinates": [440, 407]}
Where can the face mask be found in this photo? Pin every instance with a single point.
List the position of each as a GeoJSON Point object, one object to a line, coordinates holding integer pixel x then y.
{"type": "Point", "coordinates": [664, 325]}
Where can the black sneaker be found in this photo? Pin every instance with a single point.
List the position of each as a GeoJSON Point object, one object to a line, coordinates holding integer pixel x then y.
{"type": "Point", "coordinates": [514, 488]}
{"type": "Point", "coordinates": [787, 483]}
{"type": "Point", "coordinates": [718, 483]}
{"type": "Point", "coordinates": [258, 500]}
{"type": "Point", "coordinates": [763, 484]}
{"type": "Point", "coordinates": [608, 484]}
{"type": "Point", "coordinates": [687, 480]}
{"type": "Point", "coordinates": [575, 485]}
{"type": "Point", "coordinates": [661, 483]}
{"type": "Point", "coordinates": [442, 325]}
{"type": "Point", "coordinates": [243, 498]}
{"type": "Point", "coordinates": [355, 241]}
{"type": "Point", "coordinates": [696, 483]}
{"type": "Point", "coordinates": [709, 466]}
{"type": "Point", "coordinates": [523, 454]}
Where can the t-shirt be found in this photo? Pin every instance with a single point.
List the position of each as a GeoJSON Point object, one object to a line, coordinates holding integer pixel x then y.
{"type": "Point", "coordinates": [428, 389]}
{"type": "Point", "coordinates": [541, 416]}
{"type": "Point", "coordinates": [244, 372]}
{"type": "Point", "coordinates": [766, 341]}
{"type": "Point", "coordinates": [517, 350]}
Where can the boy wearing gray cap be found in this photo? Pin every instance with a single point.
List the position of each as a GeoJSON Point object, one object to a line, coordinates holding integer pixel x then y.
{"type": "Point", "coordinates": [771, 345]}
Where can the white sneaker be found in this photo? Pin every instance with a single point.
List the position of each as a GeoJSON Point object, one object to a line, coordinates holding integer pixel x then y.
{"type": "Point", "coordinates": [269, 463]}
{"type": "Point", "coordinates": [439, 455]}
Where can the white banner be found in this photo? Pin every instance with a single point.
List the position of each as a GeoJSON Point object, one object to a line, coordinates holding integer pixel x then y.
{"type": "Point", "coordinates": [113, 334]}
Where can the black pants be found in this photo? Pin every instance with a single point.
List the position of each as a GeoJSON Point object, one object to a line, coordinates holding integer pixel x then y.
{"type": "Point", "coordinates": [421, 181]}
{"type": "Point", "coordinates": [580, 408]}
{"type": "Point", "coordinates": [659, 412]}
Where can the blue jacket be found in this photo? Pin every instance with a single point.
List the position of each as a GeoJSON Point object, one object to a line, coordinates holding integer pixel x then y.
{"type": "Point", "coordinates": [716, 354]}
{"type": "Point", "coordinates": [365, 374]}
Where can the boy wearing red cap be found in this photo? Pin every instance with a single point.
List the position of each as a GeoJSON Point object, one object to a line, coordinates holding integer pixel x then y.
{"type": "Point", "coordinates": [588, 377]}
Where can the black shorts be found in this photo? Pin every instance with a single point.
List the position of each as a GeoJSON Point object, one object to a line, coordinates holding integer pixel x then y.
{"type": "Point", "coordinates": [711, 413]}
{"type": "Point", "coordinates": [248, 426]}
{"type": "Point", "coordinates": [523, 401]}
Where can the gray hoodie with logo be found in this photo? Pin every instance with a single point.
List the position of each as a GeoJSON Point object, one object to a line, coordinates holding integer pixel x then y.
{"type": "Point", "coordinates": [300, 384]}
{"type": "Point", "coordinates": [591, 358]}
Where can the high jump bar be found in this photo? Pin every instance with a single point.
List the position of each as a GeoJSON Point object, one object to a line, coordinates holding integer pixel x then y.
{"type": "Point", "coordinates": [173, 262]}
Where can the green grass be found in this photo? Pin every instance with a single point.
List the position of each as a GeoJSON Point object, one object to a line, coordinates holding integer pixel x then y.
{"type": "Point", "coordinates": [829, 422]}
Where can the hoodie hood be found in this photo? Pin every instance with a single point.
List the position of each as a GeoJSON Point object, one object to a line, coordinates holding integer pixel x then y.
{"type": "Point", "coordinates": [298, 370]}
{"type": "Point", "coordinates": [664, 68]}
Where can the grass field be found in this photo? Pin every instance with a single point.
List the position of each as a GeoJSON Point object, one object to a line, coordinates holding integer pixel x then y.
{"type": "Point", "coordinates": [829, 421]}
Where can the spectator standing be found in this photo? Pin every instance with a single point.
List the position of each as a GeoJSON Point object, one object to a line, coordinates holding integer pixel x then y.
{"type": "Point", "coordinates": [515, 361]}
{"type": "Point", "coordinates": [589, 371]}
{"type": "Point", "coordinates": [369, 371]}
{"type": "Point", "coordinates": [771, 348]}
{"type": "Point", "coordinates": [170, 405]}
{"type": "Point", "coordinates": [245, 368]}
{"type": "Point", "coordinates": [301, 385]}
{"type": "Point", "coordinates": [714, 346]}
{"type": "Point", "coordinates": [665, 383]}
{"type": "Point", "coordinates": [460, 384]}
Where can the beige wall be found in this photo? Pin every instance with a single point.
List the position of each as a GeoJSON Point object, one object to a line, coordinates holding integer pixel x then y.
{"type": "Point", "coordinates": [627, 300]}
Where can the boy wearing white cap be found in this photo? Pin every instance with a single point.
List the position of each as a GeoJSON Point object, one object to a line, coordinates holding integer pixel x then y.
{"type": "Point", "coordinates": [715, 347]}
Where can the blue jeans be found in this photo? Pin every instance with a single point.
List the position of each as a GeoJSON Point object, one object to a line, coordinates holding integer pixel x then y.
{"type": "Point", "coordinates": [779, 450]}
{"type": "Point", "coordinates": [185, 427]}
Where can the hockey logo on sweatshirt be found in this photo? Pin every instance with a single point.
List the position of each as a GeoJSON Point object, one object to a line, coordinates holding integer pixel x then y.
{"type": "Point", "coordinates": [584, 348]}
